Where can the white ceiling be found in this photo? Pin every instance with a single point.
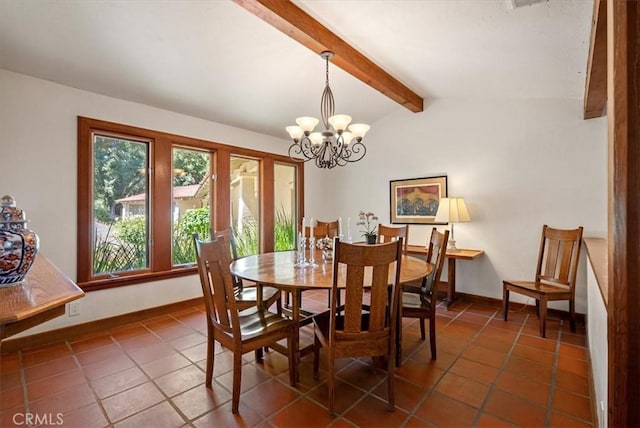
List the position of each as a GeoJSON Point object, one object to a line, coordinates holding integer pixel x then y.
{"type": "Point", "coordinates": [215, 60]}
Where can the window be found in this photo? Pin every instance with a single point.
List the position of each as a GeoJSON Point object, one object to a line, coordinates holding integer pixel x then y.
{"type": "Point", "coordinates": [191, 207]}
{"type": "Point", "coordinates": [120, 191]}
{"type": "Point", "coordinates": [245, 204]}
{"type": "Point", "coordinates": [285, 207]}
{"type": "Point", "coordinates": [142, 194]}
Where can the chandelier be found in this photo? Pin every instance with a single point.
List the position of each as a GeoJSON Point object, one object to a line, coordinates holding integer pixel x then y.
{"type": "Point", "coordinates": [334, 146]}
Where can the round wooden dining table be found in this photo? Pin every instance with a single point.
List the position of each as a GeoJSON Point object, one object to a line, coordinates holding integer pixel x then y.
{"type": "Point", "coordinates": [278, 270]}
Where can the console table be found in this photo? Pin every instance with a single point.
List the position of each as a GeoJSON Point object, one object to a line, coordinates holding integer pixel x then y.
{"type": "Point", "coordinates": [41, 296]}
{"type": "Point", "coordinates": [450, 285]}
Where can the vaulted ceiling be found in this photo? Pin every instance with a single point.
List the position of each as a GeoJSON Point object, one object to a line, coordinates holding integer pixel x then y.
{"type": "Point", "coordinates": [217, 61]}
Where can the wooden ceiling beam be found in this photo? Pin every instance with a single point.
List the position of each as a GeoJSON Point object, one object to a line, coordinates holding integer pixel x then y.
{"type": "Point", "coordinates": [297, 24]}
{"type": "Point", "coordinates": [595, 91]}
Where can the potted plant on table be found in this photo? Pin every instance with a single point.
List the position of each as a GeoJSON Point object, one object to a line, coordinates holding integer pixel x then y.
{"type": "Point", "coordinates": [369, 221]}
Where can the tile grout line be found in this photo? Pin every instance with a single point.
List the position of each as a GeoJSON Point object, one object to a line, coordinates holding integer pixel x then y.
{"type": "Point", "coordinates": [554, 373]}
{"type": "Point", "coordinates": [501, 370]}
{"type": "Point", "coordinates": [152, 380]}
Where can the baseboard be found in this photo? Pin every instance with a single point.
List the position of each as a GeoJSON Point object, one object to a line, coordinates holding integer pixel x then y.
{"type": "Point", "coordinates": [66, 333]}
{"type": "Point", "coordinates": [464, 297]}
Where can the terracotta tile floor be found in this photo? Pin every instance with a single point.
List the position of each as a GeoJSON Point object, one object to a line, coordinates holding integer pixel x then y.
{"type": "Point", "coordinates": [151, 374]}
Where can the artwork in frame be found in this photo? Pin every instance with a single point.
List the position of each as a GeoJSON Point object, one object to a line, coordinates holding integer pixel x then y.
{"type": "Point", "coordinates": [416, 200]}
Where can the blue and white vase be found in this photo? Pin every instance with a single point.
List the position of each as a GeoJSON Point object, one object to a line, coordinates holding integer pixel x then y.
{"type": "Point", "coordinates": [18, 245]}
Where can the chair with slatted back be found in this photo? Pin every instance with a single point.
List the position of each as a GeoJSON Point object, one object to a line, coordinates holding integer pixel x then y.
{"type": "Point", "coordinates": [333, 227]}
{"type": "Point", "coordinates": [556, 272]}
{"type": "Point", "coordinates": [419, 300]}
{"type": "Point", "coordinates": [239, 330]}
{"type": "Point", "coordinates": [333, 231]}
{"type": "Point", "coordinates": [391, 233]}
{"type": "Point", "coordinates": [365, 326]}
{"type": "Point", "coordinates": [248, 296]}
{"type": "Point", "coordinates": [319, 231]}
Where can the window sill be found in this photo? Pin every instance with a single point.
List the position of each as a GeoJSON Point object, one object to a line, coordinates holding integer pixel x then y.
{"type": "Point", "coordinates": [103, 284]}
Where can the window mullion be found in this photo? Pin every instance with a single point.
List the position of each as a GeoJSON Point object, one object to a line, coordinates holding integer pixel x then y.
{"type": "Point", "coordinates": [160, 204]}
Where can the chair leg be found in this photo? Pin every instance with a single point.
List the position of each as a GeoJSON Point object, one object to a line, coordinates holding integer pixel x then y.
{"type": "Point", "coordinates": [293, 366]}
{"type": "Point", "coordinates": [279, 305]}
{"type": "Point", "coordinates": [331, 386]}
{"type": "Point", "coordinates": [572, 313]}
{"type": "Point", "coordinates": [432, 336]}
{"type": "Point", "coordinates": [423, 334]}
{"type": "Point", "coordinates": [316, 357]}
{"type": "Point", "coordinates": [398, 353]}
{"type": "Point", "coordinates": [391, 401]}
{"type": "Point", "coordinates": [505, 302]}
{"type": "Point", "coordinates": [237, 379]}
{"type": "Point", "coordinates": [210, 356]}
{"type": "Point", "coordinates": [542, 311]}
{"type": "Point", "coordinates": [258, 353]}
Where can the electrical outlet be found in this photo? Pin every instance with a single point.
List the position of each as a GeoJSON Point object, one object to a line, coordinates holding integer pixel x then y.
{"type": "Point", "coordinates": [74, 309]}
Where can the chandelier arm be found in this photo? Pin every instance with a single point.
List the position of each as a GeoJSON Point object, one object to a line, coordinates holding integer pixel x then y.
{"type": "Point", "coordinates": [338, 147]}
{"type": "Point", "coordinates": [355, 152]}
{"type": "Point", "coordinates": [303, 147]}
{"type": "Point", "coordinates": [321, 158]}
{"type": "Point", "coordinates": [295, 151]}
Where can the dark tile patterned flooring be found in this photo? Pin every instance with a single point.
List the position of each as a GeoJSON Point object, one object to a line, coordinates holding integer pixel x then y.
{"type": "Point", "coordinates": [489, 373]}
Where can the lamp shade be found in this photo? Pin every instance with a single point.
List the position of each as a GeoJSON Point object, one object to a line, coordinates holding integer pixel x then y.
{"type": "Point", "coordinates": [452, 210]}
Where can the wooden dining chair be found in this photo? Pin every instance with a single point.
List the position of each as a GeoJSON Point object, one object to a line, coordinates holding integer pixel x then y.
{"type": "Point", "coordinates": [555, 279]}
{"type": "Point", "coordinates": [248, 296]}
{"type": "Point", "coordinates": [332, 226]}
{"type": "Point", "coordinates": [419, 300]}
{"type": "Point", "coordinates": [333, 231]}
{"type": "Point", "coordinates": [239, 330]}
{"type": "Point", "coordinates": [362, 327]}
{"type": "Point", "coordinates": [392, 233]}
{"type": "Point", "coordinates": [319, 231]}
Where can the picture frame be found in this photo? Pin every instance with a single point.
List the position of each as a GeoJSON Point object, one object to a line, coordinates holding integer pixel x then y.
{"type": "Point", "coordinates": [416, 200]}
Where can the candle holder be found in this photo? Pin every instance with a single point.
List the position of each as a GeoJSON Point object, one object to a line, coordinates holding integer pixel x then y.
{"type": "Point", "coordinates": [301, 262]}
{"type": "Point", "coordinates": [312, 252]}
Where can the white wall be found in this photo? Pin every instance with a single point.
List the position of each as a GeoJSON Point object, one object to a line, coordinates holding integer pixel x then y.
{"type": "Point", "coordinates": [518, 164]}
{"type": "Point", "coordinates": [38, 167]}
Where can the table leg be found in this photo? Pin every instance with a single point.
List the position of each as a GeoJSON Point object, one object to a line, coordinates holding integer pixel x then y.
{"type": "Point", "coordinates": [259, 301]}
{"type": "Point", "coordinates": [296, 296]}
{"type": "Point", "coordinates": [451, 282]}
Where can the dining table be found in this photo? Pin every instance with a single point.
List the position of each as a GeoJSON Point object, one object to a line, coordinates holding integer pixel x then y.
{"type": "Point", "coordinates": [278, 269]}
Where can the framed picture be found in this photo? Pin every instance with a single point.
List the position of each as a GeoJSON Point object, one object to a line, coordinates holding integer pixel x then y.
{"type": "Point", "coordinates": [416, 200]}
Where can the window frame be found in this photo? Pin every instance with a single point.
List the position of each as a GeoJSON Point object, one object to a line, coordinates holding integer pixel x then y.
{"type": "Point", "coordinates": [161, 199]}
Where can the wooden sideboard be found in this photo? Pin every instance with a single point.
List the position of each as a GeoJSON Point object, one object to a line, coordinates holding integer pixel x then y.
{"type": "Point", "coordinates": [450, 285]}
{"type": "Point", "coordinates": [41, 296]}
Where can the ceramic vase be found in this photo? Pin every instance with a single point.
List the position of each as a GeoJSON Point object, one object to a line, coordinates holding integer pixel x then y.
{"type": "Point", "coordinates": [18, 245]}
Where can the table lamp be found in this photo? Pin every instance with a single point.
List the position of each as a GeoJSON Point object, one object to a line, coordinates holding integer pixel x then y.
{"type": "Point", "coordinates": [452, 210]}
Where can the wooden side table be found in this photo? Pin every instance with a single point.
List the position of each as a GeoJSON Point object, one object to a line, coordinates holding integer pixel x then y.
{"type": "Point", "coordinates": [39, 298]}
{"type": "Point", "coordinates": [450, 285]}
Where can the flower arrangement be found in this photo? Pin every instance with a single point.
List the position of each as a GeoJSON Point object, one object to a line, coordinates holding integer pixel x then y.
{"type": "Point", "coordinates": [325, 244]}
{"type": "Point", "coordinates": [368, 220]}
